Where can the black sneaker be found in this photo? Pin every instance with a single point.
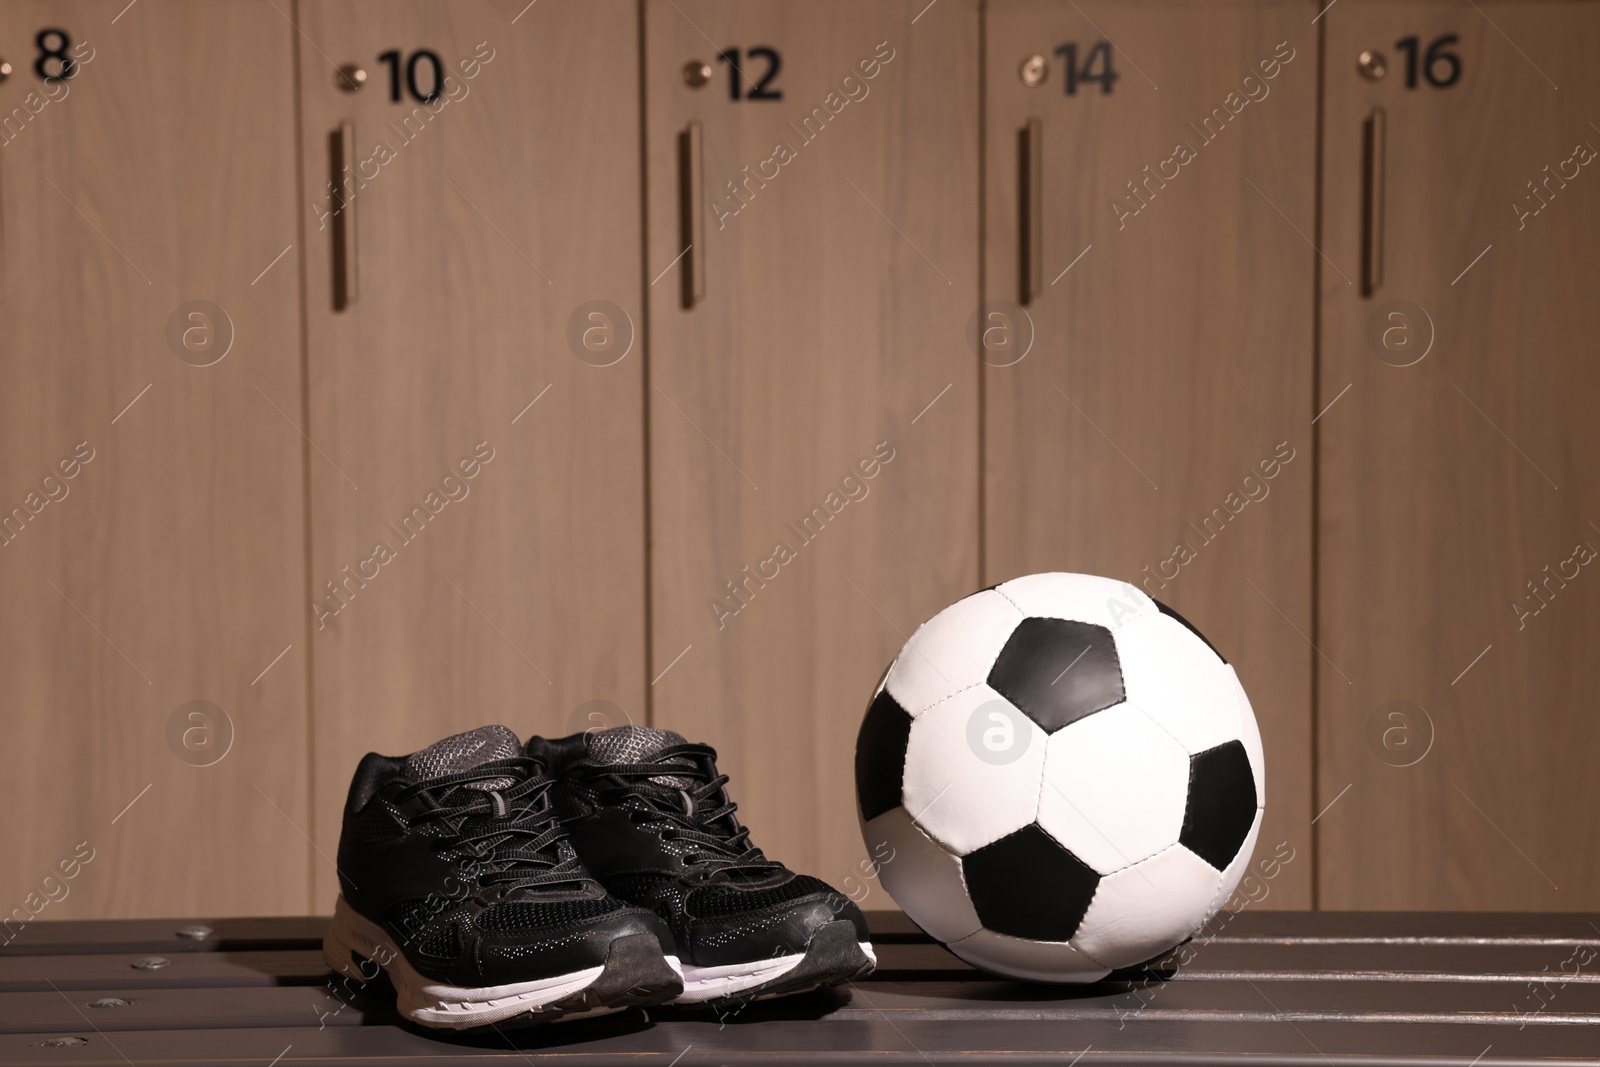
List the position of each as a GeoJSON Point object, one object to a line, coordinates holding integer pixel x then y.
{"type": "Point", "coordinates": [459, 881]}
{"type": "Point", "coordinates": [651, 818]}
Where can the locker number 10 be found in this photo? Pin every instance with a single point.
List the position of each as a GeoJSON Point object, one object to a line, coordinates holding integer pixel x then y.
{"type": "Point", "coordinates": [413, 82]}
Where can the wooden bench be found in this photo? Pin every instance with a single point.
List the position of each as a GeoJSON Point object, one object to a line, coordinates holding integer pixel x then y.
{"type": "Point", "coordinates": [1321, 989]}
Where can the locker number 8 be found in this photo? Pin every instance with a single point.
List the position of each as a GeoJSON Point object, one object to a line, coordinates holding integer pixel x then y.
{"type": "Point", "coordinates": [54, 54]}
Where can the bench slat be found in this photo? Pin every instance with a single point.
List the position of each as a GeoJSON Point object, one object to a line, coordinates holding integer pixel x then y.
{"type": "Point", "coordinates": [300, 1006]}
{"type": "Point", "coordinates": [856, 1040]}
{"type": "Point", "coordinates": [161, 935]}
{"type": "Point", "coordinates": [1514, 965]}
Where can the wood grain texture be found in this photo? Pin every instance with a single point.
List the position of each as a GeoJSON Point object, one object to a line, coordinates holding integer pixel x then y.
{"type": "Point", "coordinates": [483, 224]}
{"type": "Point", "coordinates": [165, 566]}
{"type": "Point", "coordinates": [1451, 484]}
{"type": "Point", "coordinates": [1172, 336]}
{"type": "Point", "coordinates": [837, 290]}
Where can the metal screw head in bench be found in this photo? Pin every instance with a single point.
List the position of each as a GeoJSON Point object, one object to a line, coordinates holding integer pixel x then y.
{"type": "Point", "coordinates": [195, 932]}
{"type": "Point", "coordinates": [151, 963]}
{"type": "Point", "coordinates": [110, 1002]}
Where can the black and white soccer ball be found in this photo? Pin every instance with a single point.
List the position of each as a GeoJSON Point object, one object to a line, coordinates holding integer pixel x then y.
{"type": "Point", "coordinates": [1059, 776]}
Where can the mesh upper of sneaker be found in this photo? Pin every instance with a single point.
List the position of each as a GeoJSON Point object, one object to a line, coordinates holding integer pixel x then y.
{"type": "Point", "coordinates": [737, 890]}
{"type": "Point", "coordinates": [572, 902]}
{"type": "Point", "coordinates": [462, 752]}
{"type": "Point", "coordinates": [718, 901]}
{"type": "Point", "coordinates": [636, 744]}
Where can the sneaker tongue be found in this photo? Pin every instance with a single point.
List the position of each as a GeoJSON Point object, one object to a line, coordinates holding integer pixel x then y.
{"type": "Point", "coordinates": [462, 752]}
{"type": "Point", "coordinates": [638, 744]}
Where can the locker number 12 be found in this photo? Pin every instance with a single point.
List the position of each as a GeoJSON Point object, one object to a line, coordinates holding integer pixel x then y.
{"type": "Point", "coordinates": [760, 88]}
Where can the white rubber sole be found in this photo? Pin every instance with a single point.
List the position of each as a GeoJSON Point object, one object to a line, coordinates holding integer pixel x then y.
{"type": "Point", "coordinates": [437, 1004]}
{"type": "Point", "coordinates": [702, 984]}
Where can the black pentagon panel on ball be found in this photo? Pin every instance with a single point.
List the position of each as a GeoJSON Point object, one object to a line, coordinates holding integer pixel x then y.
{"type": "Point", "coordinates": [1057, 671]}
{"type": "Point", "coordinates": [1187, 625]}
{"type": "Point", "coordinates": [881, 756]}
{"type": "Point", "coordinates": [1027, 885]}
{"type": "Point", "coordinates": [1222, 804]}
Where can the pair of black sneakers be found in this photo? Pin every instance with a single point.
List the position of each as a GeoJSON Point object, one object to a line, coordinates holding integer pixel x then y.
{"type": "Point", "coordinates": [501, 884]}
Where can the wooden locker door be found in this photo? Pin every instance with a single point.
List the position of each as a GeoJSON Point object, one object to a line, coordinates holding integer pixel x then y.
{"type": "Point", "coordinates": [839, 194]}
{"type": "Point", "coordinates": [1149, 181]}
{"type": "Point", "coordinates": [154, 544]}
{"type": "Point", "coordinates": [1457, 476]}
{"type": "Point", "coordinates": [496, 239]}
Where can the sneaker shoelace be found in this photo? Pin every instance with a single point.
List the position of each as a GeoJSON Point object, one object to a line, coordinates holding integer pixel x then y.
{"type": "Point", "coordinates": [697, 812]}
{"type": "Point", "coordinates": [514, 829]}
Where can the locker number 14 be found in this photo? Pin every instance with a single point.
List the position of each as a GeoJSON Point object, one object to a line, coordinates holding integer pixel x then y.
{"type": "Point", "coordinates": [1096, 67]}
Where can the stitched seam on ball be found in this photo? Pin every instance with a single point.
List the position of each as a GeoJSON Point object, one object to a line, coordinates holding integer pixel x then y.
{"type": "Point", "coordinates": [961, 876]}
{"type": "Point", "coordinates": [948, 850]}
{"type": "Point", "coordinates": [1241, 706]}
{"type": "Point", "coordinates": [1135, 863]}
{"type": "Point", "coordinates": [948, 697]}
{"type": "Point", "coordinates": [1038, 801]}
{"type": "Point", "coordinates": [1074, 941]}
{"type": "Point", "coordinates": [1122, 680]}
{"type": "Point", "coordinates": [1080, 950]}
{"type": "Point", "coordinates": [1113, 628]}
{"type": "Point", "coordinates": [955, 693]}
{"type": "Point", "coordinates": [961, 871]}
{"type": "Point", "coordinates": [1158, 725]}
{"type": "Point", "coordinates": [940, 700]}
{"type": "Point", "coordinates": [1013, 603]}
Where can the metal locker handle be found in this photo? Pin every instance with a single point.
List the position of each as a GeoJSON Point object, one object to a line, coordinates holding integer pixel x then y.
{"type": "Point", "coordinates": [1372, 203]}
{"type": "Point", "coordinates": [691, 214]}
{"type": "Point", "coordinates": [1030, 209]}
{"type": "Point", "coordinates": [341, 157]}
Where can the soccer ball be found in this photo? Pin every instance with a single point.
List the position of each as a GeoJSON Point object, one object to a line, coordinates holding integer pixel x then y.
{"type": "Point", "coordinates": [1058, 777]}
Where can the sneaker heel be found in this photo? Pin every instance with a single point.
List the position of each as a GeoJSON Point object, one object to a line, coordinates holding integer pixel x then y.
{"type": "Point", "coordinates": [346, 952]}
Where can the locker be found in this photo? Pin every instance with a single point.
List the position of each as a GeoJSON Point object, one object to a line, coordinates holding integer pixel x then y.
{"type": "Point", "coordinates": [1149, 175]}
{"type": "Point", "coordinates": [1453, 587]}
{"type": "Point", "coordinates": [471, 226]}
{"type": "Point", "coordinates": [812, 258]}
{"type": "Point", "coordinates": [151, 641]}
